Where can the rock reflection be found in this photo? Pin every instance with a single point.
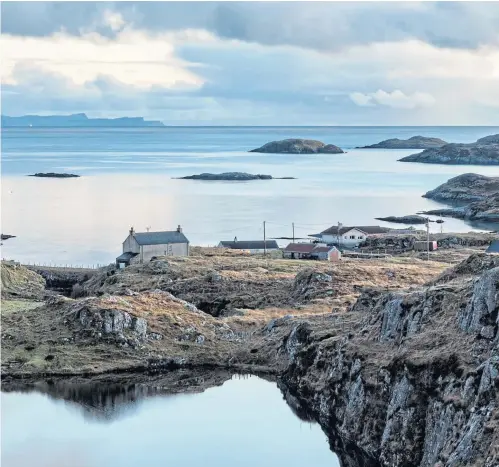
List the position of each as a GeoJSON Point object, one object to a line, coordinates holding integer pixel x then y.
{"type": "Point", "coordinates": [111, 397]}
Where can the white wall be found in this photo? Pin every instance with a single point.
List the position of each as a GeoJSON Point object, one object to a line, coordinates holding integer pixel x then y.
{"type": "Point", "coordinates": [171, 249]}
{"type": "Point", "coordinates": [345, 239]}
{"type": "Point", "coordinates": [130, 244]}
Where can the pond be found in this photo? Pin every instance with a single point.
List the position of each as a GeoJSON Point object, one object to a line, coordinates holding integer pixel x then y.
{"type": "Point", "coordinates": [238, 421]}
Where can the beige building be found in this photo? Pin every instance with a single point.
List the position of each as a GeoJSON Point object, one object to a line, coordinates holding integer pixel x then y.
{"type": "Point", "coordinates": [140, 247]}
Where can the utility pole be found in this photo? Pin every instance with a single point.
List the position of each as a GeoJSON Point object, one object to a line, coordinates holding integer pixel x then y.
{"type": "Point", "coordinates": [264, 241]}
{"type": "Point", "coordinates": [428, 238]}
{"type": "Point", "coordinates": [293, 224]}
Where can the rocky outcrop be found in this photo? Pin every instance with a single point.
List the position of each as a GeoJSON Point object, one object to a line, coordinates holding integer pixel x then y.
{"type": "Point", "coordinates": [108, 322]}
{"type": "Point", "coordinates": [54, 175]}
{"type": "Point", "coordinates": [233, 176]}
{"type": "Point", "coordinates": [416, 142]}
{"type": "Point", "coordinates": [465, 188]}
{"type": "Point", "coordinates": [415, 380]}
{"type": "Point", "coordinates": [477, 196]}
{"type": "Point", "coordinates": [20, 282]}
{"type": "Point", "coordinates": [6, 237]}
{"type": "Point", "coordinates": [444, 241]}
{"type": "Point", "coordinates": [299, 146]}
{"type": "Point", "coordinates": [411, 219]}
{"type": "Point", "coordinates": [484, 151]}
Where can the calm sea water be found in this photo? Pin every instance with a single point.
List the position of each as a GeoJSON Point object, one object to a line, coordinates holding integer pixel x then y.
{"type": "Point", "coordinates": [243, 423]}
{"type": "Point", "coordinates": [128, 180]}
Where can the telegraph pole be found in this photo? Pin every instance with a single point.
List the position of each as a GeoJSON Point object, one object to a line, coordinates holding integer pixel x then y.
{"type": "Point", "coordinates": [428, 238]}
{"type": "Point", "coordinates": [264, 241]}
{"type": "Point", "coordinates": [293, 224]}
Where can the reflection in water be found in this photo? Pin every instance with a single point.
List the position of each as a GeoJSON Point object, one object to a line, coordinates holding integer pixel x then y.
{"type": "Point", "coordinates": [155, 421]}
{"type": "Point", "coordinates": [114, 397]}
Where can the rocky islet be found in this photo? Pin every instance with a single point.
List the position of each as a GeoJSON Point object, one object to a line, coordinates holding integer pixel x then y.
{"type": "Point", "coordinates": [298, 146]}
{"type": "Point", "coordinates": [485, 151]}
{"type": "Point", "coordinates": [415, 142]}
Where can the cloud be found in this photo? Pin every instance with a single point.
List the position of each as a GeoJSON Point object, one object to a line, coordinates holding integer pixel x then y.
{"type": "Point", "coordinates": [314, 25]}
{"type": "Point", "coordinates": [132, 57]}
{"type": "Point", "coordinates": [396, 99]}
{"type": "Point", "coordinates": [218, 64]}
{"type": "Point", "coordinates": [362, 100]}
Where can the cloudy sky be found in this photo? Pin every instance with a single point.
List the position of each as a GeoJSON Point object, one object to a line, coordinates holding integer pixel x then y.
{"type": "Point", "coordinates": [264, 63]}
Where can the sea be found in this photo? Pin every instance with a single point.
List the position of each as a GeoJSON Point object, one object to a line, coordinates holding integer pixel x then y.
{"type": "Point", "coordinates": [129, 177]}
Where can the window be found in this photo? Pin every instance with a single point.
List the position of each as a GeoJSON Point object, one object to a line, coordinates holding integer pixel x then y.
{"type": "Point", "coordinates": [352, 237]}
{"type": "Point", "coordinates": [360, 237]}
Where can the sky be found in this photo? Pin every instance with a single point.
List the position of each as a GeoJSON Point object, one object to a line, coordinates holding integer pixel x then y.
{"type": "Point", "coordinates": [254, 63]}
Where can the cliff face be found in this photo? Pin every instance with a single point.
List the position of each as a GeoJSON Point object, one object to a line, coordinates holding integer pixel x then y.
{"type": "Point", "coordinates": [415, 380]}
{"type": "Point", "coordinates": [484, 151]}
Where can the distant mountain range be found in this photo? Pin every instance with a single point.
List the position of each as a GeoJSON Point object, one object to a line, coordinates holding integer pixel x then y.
{"type": "Point", "coordinates": [75, 120]}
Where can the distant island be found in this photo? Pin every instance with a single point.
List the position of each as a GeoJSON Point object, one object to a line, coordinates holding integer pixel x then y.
{"type": "Point", "coordinates": [54, 175]}
{"type": "Point", "coordinates": [298, 146]}
{"type": "Point", "coordinates": [75, 120]}
{"type": "Point", "coordinates": [232, 176]}
{"type": "Point", "coordinates": [484, 151]}
{"type": "Point", "coordinates": [411, 219]}
{"type": "Point", "coordinates": [416, 142]}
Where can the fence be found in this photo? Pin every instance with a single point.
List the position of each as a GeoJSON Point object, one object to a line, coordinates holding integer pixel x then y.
{"type": "Point", "coordinates": [51, 265]}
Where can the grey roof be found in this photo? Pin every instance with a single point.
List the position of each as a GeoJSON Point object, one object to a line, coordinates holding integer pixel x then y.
{"type": "Point", "coordinates": [127, 256]}
{"type": "Point", "coordinates": [250, 244]}
{"type": "Point", "coordinates": [160, 238]}
{"type": "Point", "coordinates": [493, 247]}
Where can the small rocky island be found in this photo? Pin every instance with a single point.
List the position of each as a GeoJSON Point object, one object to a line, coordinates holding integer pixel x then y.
{"type": "Point", "coordinates": [54, 175]}
{"type": "Point", "coordinates": [484, 151]}
{"type": "Point", "coordinates": [473, 196]}
{"type": "Point", "coordinates": [233, 177]}
{"type": "Point", "coordinates": [299, 146]}
{"type": "Point", "coordinates": [6, 237]}
{"type": "Point", "coordinates": [416, 142]}
{"type": "Point", "coordinates": [412, 219]}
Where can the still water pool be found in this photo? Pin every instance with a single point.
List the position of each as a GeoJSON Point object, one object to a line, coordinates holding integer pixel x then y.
{"type": "Point", "coordinates": [243, 422]}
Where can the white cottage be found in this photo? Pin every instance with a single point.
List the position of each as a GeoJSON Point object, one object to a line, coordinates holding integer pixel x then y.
{"type": "Point", "coordinates": [350, 237]}
{"type": "Point", "coordinates": [140, 247]}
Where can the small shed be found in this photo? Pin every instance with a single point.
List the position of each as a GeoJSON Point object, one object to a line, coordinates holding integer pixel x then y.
{"type": "Point", "coordinates": [326, 253]}
{"type": "Point", "coordinates": [493, 247]}
{"type": "Point", "coordinates": [299, 250]}
{"type": "Point", "coordinates": [424, 245]}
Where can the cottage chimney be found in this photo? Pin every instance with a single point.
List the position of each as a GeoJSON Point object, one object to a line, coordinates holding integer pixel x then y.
{"type": "Point", "coordinates": [132, 232]}
{"type": "Point", "coordinates": [179, 229]}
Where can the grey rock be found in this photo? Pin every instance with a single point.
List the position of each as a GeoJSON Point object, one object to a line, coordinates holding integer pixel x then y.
{"type": "Point", "coordinates": [485, 151]}
{"type": "Point", "coordinates": [415, 142]}
{"type": "Point", "coordinates": [298, 146]}
{"type": "Point", "coordinates": [476, 195]}
{"type": "Point", "coordinates": [54, 175]}
{"type": "Point", "coordinates": [412, 219]}
{"type": "Point", "coordinates": [482, 309]}
{"type": "Point", "coordinates": [227, 176]}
